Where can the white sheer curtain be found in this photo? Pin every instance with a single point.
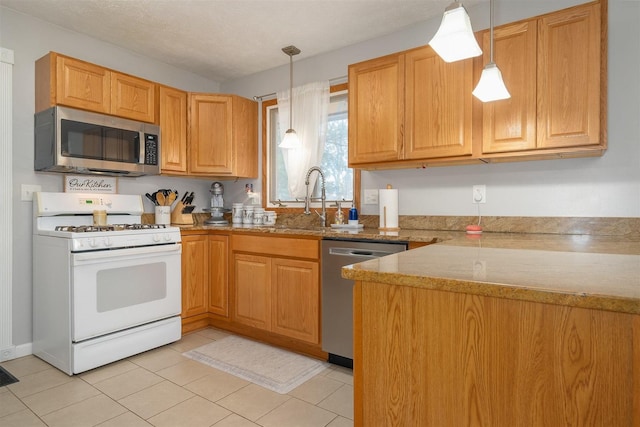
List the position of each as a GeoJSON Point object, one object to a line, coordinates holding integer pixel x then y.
{"type": "Point", "coordinates": [310, 112]}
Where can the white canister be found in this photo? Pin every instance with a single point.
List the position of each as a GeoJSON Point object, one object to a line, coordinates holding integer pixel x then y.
{"type": "Point", "coordinates": [258, 216]}
{"type": "Point", "coordinates": [269, 218]}
{"type": "Point", "coordinates": [163, 215]}
{"type": "Point", "coordinates": [247, 215]}
{"type": "Point", "coordinates": [237, 213]}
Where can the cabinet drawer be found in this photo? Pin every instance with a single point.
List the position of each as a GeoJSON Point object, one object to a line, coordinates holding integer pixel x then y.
{"type": "Point", "coordinates": [272, 245]}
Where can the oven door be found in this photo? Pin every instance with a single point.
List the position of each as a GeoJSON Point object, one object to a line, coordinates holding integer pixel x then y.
{"type": "Point", "coordinates": [121, 288]}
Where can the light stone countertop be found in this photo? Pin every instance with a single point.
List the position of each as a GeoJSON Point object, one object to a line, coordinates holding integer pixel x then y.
{"type": "Point", "coordinates": [579, 271]}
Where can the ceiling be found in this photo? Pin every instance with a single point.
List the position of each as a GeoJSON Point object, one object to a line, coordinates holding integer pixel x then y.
{"type": "Point", "coordinates": [228, 39]}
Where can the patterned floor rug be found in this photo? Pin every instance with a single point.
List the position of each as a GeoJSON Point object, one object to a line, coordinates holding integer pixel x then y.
{"type": "Point", "coordinates": [273, 368]}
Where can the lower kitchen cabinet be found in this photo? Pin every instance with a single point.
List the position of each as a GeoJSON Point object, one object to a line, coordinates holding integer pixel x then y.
{"type": "Point", "coordinates": [276, 286]}
{"type": "Point", "coordinates": [204, 279]}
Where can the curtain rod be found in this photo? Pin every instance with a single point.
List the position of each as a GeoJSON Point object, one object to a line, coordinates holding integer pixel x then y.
{"type": "Point", "coordinates": [331, 81]}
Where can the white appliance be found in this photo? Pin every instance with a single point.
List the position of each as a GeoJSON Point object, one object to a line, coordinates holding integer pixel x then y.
{"type": "Point", "coordinates": [101, 293]}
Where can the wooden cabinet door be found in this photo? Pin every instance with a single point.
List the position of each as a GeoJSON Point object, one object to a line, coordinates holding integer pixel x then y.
{"type": "Point", "coordinates": [569, 70]}
{"type": "Point", "coordinates": [218, 277]}
{"type": "Point", "coordinates": [438, 104]}
{"type": "Point", "coordinates": [132, 98]}
{"type": "Point", "coordinates": [173, 125]}
{"type": "Point", "coordinates": [376, 110]}
{"type": "Point", "coordinates": [195, 275]}
{"type": "Point", "coordinates": [252, 290]}
{"type": "Point", "coordinates": [245, 137]}
{"type": "Point", "coordinates": [510, 124]}
{"type": "Point", "coordinates": [82, 85]}
{"type": "Point", "coordinates": [296, 299]}
{"type": "Point", "coordinates": [210, 134]}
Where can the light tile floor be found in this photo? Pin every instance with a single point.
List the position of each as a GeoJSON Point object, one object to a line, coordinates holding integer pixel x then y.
{"type": "Point", "coordinates": [163, 388]}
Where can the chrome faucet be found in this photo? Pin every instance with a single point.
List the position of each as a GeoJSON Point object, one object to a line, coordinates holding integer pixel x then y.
{"type": "Point", "coordinates": [323, 197]}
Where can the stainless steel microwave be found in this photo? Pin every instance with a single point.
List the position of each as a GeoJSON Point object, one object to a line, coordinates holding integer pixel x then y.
{"type": "Point", "coordinates": [70, 140]}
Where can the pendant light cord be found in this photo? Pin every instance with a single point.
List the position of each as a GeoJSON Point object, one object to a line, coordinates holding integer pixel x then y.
{"type": "Point", "coordinates": [290, 91]}
{"type": "Point", "coordinates": [491, 30]}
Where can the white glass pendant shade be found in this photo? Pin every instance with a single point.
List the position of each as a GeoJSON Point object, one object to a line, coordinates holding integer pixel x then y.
{"type": "Point", "coordinates": [290, 140]}
{"type": "Point", "coordinates": [491, 87]}
{"type": "Point", "coordinates": [454, 40]}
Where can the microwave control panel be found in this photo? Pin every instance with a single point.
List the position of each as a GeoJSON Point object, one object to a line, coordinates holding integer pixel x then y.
{"type": "Point", "coordinates": [150, 149]}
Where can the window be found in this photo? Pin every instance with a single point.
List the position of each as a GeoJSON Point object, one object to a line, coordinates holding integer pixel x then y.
{"type": "Point", "coordinates": [339, 177]}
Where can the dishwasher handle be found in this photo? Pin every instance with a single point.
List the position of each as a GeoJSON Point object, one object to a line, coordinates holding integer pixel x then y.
{"type": "Point", "coordinates": [358, 253]}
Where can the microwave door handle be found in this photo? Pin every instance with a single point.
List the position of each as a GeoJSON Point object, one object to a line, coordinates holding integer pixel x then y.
{"type": "Point", "coordinates": [141, 145]}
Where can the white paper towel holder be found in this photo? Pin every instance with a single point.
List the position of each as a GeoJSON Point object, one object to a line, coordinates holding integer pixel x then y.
{"type": "Point", "coordinates": [383, 220]}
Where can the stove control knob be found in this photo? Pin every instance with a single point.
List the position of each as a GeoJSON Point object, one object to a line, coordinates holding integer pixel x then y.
{"type": "Point", "coordinates": [167, 237]}
{"type": "Point", "coordinates": [107, 241]}
{"type": "Point", "coordinates": [156, 238]}
{"type": "Point", "coordinates": [93, 243]}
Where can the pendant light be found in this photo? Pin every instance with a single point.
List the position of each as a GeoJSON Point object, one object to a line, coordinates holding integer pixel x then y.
{"type": "Point", "coordinates": [454, 40]}
{"type": "Point", "coordinates": [290, 139]}
{"type": "Point", "coordinates": [491, 87]}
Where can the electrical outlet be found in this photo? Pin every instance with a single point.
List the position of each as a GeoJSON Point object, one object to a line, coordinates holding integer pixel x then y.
{"type": "Point", "coordinates": [27, 191]}
{"type": "Point", "coordinates": [479, 194]}
{"type": "Point", "coordinates": [479, 270]}
{"type": "Point", "coordinates": [371, 197]}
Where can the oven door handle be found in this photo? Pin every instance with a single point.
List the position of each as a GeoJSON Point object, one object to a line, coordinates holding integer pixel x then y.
{"type": "Point", "coordinates": [128, 252]}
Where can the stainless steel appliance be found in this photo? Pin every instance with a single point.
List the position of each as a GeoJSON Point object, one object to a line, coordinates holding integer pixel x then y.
{"type": "Point", "coordinates": [217, 205]}
{"type": "Point", "coordinates": [337, 293]}
{"type": "Point", "coordinates": [101, 292]}
{"type": "Point", "coordinates": [70, 140]}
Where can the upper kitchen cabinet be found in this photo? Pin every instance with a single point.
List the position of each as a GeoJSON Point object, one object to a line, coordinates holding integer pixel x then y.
{"type": "Point", "coordinates": [409, 109]}
{"type": "Point", "coordinates": [61, 80]}
{"type": "Point", "coordinates": [376, 110]}
{"type": "Point", "coordinates": [223, 136]}
{"type": "Point", "coordinates": [172, 109]}
{"type": "Point", "coordinates": [554, 66]}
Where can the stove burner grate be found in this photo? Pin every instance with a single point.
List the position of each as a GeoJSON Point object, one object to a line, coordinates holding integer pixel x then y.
{"type": "Point", "coordinates": [111, 227]}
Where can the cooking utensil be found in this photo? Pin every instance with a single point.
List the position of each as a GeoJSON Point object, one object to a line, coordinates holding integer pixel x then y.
{"type": "Point", "coordinates": [184, 197]}
{"type": "Point", "coordinates": [160, 198]}
{"type": "Point", "coordinates": [153, 200]}
{"type": "Point", "coordinates": [170, 199]}
{"type": "Point", "coordinates": [188, 209]}
{"type": "Point", "coordinates": [190, 198]}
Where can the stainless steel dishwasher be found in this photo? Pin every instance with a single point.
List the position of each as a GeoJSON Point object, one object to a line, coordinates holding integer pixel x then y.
{"type": "Point", "coordinates": [337, 293]}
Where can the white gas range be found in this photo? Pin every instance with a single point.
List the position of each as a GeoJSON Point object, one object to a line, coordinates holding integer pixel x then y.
{"type": "Point", "coordinates": [101, 293]}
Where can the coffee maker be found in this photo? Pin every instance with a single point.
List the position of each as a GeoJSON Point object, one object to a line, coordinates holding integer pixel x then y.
{"type": "Point", "coordinates": [217, 205]}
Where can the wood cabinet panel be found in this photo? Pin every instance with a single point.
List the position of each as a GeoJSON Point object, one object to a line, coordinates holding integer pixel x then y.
{"type": "Point", "coordinates": [195, 275]}
{"type": "Point", "coordinates": [223, 136]}
{"type": "Point", "coordinates": [81, 85]}
{"type": "Point", "coordinates": [132, 97]}
{"type": "Point", "coordinates": [376, 110]}
{"type": "Point", "coordinates": [438, 104]}
{"type": "Point", "coordinates": [510, 124]}
{"type": "Point", "coordinates": [569, 66]}
{"type": "Point", "coordinates": [173, 125]}
{"type": "Point", "coordinates": [432, 358]}
{"type": "Point", "coordinates": [210, 131]}
{"type": "Point", "coordinates": [277, 246]}
{"type": "Point", "coordinates": [274, 292]}
{"type": "Point", "coordinates": [218, 275]}
{"type": "Point", "coordinates": [252, 290]}
{"type": "Point", "coordinates": [295, 299]}
{"type": "Point", "coordinates": [61, 80]}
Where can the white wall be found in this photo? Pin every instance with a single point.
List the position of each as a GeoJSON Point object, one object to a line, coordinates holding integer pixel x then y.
{"type": "Point", "coordinates": [603, 187]}
{"type": "Point", "coordinates": [30, 39]}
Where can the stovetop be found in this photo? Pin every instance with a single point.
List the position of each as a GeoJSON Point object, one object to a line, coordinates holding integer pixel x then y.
{"type": "Point", "coordinates": [110, 227]}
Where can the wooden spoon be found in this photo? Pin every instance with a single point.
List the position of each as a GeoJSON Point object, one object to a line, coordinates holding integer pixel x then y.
{"type": "Point", "coordinates": [170, 199]}
{"type": "Point", "coordinates": [160, 198]}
